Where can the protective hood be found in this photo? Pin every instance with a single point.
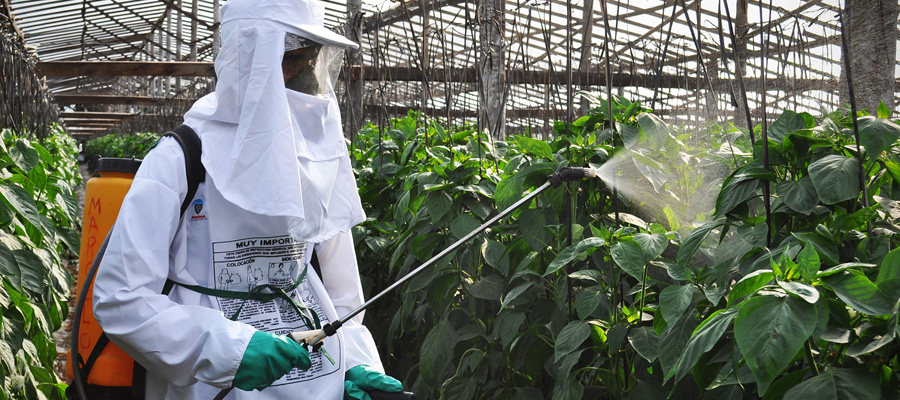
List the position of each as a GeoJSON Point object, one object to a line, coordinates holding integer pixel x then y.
{"type": "Point", "coordinates": [270, 150]}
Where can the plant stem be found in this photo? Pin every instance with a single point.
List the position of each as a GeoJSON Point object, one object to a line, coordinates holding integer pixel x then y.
{"type": "Point", "coordinates": [643, 293]}
{"type": "Point", "coordinates": [810, 358]}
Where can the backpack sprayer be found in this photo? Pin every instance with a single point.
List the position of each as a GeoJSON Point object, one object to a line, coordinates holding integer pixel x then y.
{"type": "Point", "coordinates": [315, 337]}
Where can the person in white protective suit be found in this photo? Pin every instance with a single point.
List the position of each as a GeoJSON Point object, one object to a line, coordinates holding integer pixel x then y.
{"type": "Point", "coordinates": [278, 186]}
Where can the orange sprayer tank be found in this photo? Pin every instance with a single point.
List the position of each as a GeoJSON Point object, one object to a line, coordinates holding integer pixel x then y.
{"type": "Point", "coordinates": [102, 198]}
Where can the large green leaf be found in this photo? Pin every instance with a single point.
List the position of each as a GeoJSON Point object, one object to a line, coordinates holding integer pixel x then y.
{"type": "Point", "coordinates": [488, 288]}
{"type": "Point", "coordinates": [34, 270]}
{"type": "Point", "coordinates": [789, 122]}
{"type": "Point", "coordinates": [651, 170]}
{"type": "Point", "coordinates": [22, 202]}
{"type": "Point", "coordinates": [514, 293]}
{"type": "Point", "coordinates": [750, 284]}
{"type": "Point", "coordinates": [693, 241]}
{"type": "Point", "coordinates": [799, 195]}
{"type": "Point", "coordinates": [439, 204]}
{"type": "Point", "coordinates": [495, 255]}
{"type": "Point", "coordinates": [570, 338]}
{"type": "Point", "coordinates": [568, 389]}
{"type": "Point", "coordinates": [9, 266]}
{"type": "Point", "coordinates": [827, 248]}
{"type": "Point", "coordinates": [458, 388]}
{"type": "Point", "coordinates": [401, 209]}
{"type": "Point", "coordinates": [507, 325]}
{"type": "Point", "coordinates": [644, 340]}
{"type": "Point", "coordinates": [673, 341]}
{"type": "Point", "coordinates": [702, 340]}
{"type": "Point", "coordinates": [808, 263]}
{"type": "Point", "coordinates": [770, 330]}
{"type": "Point", "coordinates": [629, 256]}
{"type": "Point", "coordinates": [24, 155]}
{"type": "Point", "coordinates": [40, 317]}
{"type": "Point", "coordinates": [735, 192]}
{"type": "Point", "coordinates": [12, 329]}
{"type": "Point", "coordinates": [890, 266]}
{"type": "Point", "coordinates": [857, 219]}
{"type": "Point", "coordinates": [877, 135]}
{"type": "Point", "coordinates": [855, 289]}
{"type": "Point", "coordinates": [674, 300]}
{"type": "Point", "coordinates": [569, 253]}
{"type": "Point", "coordinates": [841, 267]}
{"type": "Point", "coordinates": [656, 130]}
{"type": "Point", "coordinates": [535, 147]}
{"type": "Point", "coordinates": [463, 225]}
{"type": "Point", "coordinates": [838, 384]}
{"type": "Point", "coordinates": [653, 245]}
{"type": "Point", "coordinates": [531, 226]}
{"type": "Point", "coordinates": [437, 351]}
{"type": "Point", "coordinates": [630, 135]}
{"type": "Point", "coordinates": [564, 257]}
{"type": "Point", "coordinates": [836, 178]}
{"type": "Point", "coordinates": [893, 169]}
{"type": "Point", "coordinates": [509, 190]}
{"type": "Point", "coordinates": [587, 300]}
{"type": "Point", "coordinates": [801, 290]}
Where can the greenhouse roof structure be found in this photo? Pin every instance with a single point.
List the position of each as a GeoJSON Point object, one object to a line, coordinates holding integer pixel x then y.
{"type": "Point", "coordinates": [108, 61]}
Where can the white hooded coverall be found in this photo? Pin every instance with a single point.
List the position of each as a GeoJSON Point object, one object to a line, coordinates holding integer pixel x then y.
{"type": "Point", "coordinates": [278, 184]}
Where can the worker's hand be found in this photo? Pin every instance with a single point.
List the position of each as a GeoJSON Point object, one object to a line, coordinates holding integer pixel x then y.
{"type": "Point", "coordinates": [267, 358]}
{"type": "Point", "coordinates": [362, 378]}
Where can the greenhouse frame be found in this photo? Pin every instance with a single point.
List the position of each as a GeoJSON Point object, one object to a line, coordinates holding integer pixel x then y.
{"type": "Point", "coordinates": [566, 199]}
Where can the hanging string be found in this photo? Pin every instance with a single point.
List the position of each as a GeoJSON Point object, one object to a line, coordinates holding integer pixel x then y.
{"type": "Point", "coordinates": [569, 117]}
{"type": "Point", "coordinates": [764, 45]}
{"type": "Point", "coordinates": [696, 41]}
{"type": "Point", "coordinates": [846, 51]}
{"type": "Point", "coordinates": [612, 123]}
{"type": "Point", "coordinates": [739, 73]}
{"type": "Point", "coordinates": [661, 57]}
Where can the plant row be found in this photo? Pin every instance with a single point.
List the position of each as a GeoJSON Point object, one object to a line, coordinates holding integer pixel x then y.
{"type": "Point", "coordinates": [120, 146]}
{"type": "Point", "coordinates": [39, 233]}
{"type": "Point", "coordinates": [780, 280]}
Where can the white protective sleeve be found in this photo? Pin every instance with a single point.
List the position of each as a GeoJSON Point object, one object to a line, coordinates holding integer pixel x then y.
{"type": "Point", "coordinates": [340, 275]}
{"type": "Point", "coordinates": [179, 343]}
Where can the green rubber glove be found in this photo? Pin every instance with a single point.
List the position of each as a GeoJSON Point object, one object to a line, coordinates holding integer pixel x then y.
{"type": "Point", "coordinates": [267, 358]}
{"type": "Point", "coordinates": [363, 378]}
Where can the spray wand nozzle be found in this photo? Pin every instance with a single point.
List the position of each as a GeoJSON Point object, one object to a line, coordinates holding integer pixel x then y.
{"type": "Point", "coordinates": [566, 174]}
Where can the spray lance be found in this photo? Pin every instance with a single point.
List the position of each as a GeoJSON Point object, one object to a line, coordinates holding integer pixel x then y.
{"type": "Point", "coordinates": [315, 337]}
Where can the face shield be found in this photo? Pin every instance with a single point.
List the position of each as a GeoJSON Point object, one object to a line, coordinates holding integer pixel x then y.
{"type": "Point", "coordinates": [310, 67]}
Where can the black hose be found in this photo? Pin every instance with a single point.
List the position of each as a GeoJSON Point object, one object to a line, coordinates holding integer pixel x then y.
{"type": "Point", "coordinates": [77, 379]}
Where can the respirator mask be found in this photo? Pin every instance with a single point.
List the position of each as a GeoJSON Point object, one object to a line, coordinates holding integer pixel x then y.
{"type": "Point", "coordinates": [310, 67]}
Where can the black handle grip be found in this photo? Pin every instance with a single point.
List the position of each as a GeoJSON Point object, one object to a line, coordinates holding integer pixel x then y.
{"type": "Point", "coordinates": [379, 395]}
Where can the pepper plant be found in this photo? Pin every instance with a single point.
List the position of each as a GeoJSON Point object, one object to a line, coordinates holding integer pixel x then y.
{"type": "Point", "coordinates": [38, 233]}
{"type": "Point", "coordinates": [577, 296]}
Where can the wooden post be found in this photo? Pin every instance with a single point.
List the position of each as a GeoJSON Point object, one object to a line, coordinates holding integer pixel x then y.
{"type": "Point", "coordinates": [872, 28]}
{"type": "Point", "coordinates": [353, 114]}
{"type": "Point", "coordinates": [217, 34]}
{"type": "Point", "coordinates": [492, 65]}
{"type": "Point", "coordinates": [179, 39]}
{"type": "Point", "coordinates": [584, 64]}
{"type": "Point", "coordinates": [425, 59]}
{"type": "Point", "coordinates": [194, 27]}
{"type": "Point", "coordinates": [741, 28]}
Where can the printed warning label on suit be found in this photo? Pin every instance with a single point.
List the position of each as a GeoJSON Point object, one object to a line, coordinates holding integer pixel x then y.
{"type": "Point", "coordinates": [270, 265]}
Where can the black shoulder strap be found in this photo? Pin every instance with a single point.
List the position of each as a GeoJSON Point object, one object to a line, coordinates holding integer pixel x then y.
{"type": "Point", "coordinates": [196, 173]}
